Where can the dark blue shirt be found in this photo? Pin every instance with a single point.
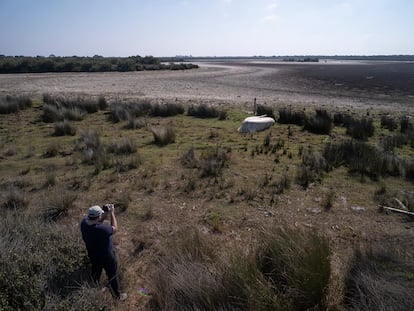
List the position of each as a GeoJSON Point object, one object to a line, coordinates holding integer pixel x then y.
{"type": "Point", "coordinates": [98, 240]}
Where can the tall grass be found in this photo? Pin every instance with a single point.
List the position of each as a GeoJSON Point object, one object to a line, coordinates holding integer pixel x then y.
{"type": "Point", "coordinates": [360, 128]}
{"type": "Point", "coordinates": [380, 278]}
{"type": "Point", "coordinates": [319, 123]}
{"type": "Point", "coordinates": [166, 109]}
{"type": "Point", "coordinates": [265, 110]}
{"type": "Point", "coordinates": [38, 261]}
{"type": "Point", "coordinates": [12, 104]}
{"type": "Point", "coordinates": [203, 111]}
{"type": "Point", "coordinates": [289, 116]}
{"type": "Point", "coordinates": [163, 135]}
{"type": "Point", "coordinates": [286, 270]}
{"type": "Point", "coordinates": [363, 158]}
{"type": "Point", "coordinates": [212, 161]}
{"type": "Point", "coordinates": [312, 167]}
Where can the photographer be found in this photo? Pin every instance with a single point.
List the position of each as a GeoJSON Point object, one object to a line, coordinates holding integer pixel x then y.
{"type": "Point", "coordinates": [98, 240]}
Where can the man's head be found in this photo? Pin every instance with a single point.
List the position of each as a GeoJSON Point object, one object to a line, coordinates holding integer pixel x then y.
{"type": "Point", "coordinates": [94, 212]}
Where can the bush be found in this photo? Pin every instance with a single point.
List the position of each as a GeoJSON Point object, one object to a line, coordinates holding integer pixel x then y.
{"type": "Point", "coordinates": [166, 110]}
{"type": "Point", "coordinates": [320, 123]}
{"type": "Point", "coordinates": [297, 264]}
{"type": "Point", "coordinates": [15, 199]}
{"type": "Point", "coordinates": [188, 159]}
{"type": "Point", "coordinates": [212, 161]}
{"type": "Point", "coordinates": [312, 167]}
{"type": "Point", "coordinates": [91, 148]}
{"type": "Point", "coordinates": [12, 104]}
{"type": "Point", "coordinates": [265, 110]}
{"type": "Point", "coordinates": [64, 128]}
{"type": "Point", "coordinates": [57, 205]}
{"type": "Point", "coordinates": [360, 128]}
{"type": "Point", "coordinates": [342, 119]}
{"type": "Point", "coordinates": [81, 103]}
{"type": "Point", "coordinates": [287, 116]}
{"type": "Point", "coordinates": [288, 270]}
{"type": "Point", "coordinates": [122, 146]}
{"type": "Point", "coordinates": [163, 135]}
{"type": "Point", "coordinates": [363, 158]}
{"type": "Point", "coordinates": [38, 261]}
{"type": "Point", "coordinates": [136, 123]}
{"type": "Point", "coordinates": [406, 125]}
{"type": "Point", "coordinates": [388, 122]}
{"type": "Point", "coordinates": [53, 114]}
{"type": "Point", "coordinates": [379, 278]}
{"type": "Point", "coordinates": [202, 111]}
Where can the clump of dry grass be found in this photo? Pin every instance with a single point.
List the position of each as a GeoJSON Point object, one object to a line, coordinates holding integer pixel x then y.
{"type": "Point", "coordinates": [12, 104]}
{"type": "Point", "coordinates": [163, 135]}
{"type": "Point", "coordinates": [289, 270]}
{"type": "Point", "coordinates": [380, 278]}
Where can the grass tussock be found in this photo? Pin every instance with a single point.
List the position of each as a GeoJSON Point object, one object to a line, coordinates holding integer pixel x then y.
{"type": "Point", "coordinates": [363, 158]}
{"type": "Point", "coordinates": [166, 109]}
{"type": "Point", "coordinates": [287, 270]}
{"type": "Point", "coordinates": [212, 161]}
{"type": "Point", "coordinates": [163, 135]}
{"type": "Point", "coordinates": [122, 146]}
{"type": "Point", "coordinates": [289, 116]}
{"type": "Point", "coordinates": [319, 123]}
{"type": "Point", "coordinates": [39, 261]}
{"type": "Point", "coordinates": [15, 199]}
{"type": "Point", "coordinates": [265, 110]}
{"type": "Point", "coordinates": [12, 104]}
{"type": "Point", "coordinates": [203, 111]}
{"type": "Point", "coordinates": [380, 278]}
{"type": "Point", "coordinates": [64, 128]}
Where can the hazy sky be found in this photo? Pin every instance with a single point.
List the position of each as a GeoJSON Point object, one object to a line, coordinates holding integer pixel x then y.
{"type": "Point", "coordinates": [206, 27]}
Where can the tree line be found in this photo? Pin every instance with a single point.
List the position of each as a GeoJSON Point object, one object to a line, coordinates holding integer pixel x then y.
{"type": "Point", "coordinates": [26, 64]}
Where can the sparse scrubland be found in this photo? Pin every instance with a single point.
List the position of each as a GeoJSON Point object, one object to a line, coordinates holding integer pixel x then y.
{"type": "Point", "coordinates": [290, 218]}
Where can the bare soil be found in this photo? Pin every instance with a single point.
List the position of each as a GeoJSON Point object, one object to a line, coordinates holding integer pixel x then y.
{"type": "Point", "coordinates": [389, 85]}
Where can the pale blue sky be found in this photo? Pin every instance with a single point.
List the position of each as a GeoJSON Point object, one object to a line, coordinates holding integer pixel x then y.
{"type": "Point", "coordinates": [206, 27]}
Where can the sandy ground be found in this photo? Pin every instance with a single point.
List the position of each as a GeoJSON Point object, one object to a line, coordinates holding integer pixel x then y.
{"type": "Point", "coordinates": [235, 83]}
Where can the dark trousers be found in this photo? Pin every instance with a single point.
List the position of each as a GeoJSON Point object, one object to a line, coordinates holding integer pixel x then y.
{"type": "Point", "coordinates": [111, 269]}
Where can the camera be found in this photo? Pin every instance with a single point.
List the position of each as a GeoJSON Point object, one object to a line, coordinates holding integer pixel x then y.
{"type": "Point", "coordinates": [108, 207]}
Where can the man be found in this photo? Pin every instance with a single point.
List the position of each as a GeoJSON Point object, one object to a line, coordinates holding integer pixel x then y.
{"type": "Point", "coordinates": [98, 240]}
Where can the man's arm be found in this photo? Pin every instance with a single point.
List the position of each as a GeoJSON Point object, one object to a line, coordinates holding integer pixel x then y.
{"type": "Point", "coordinates": [114, 222]}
